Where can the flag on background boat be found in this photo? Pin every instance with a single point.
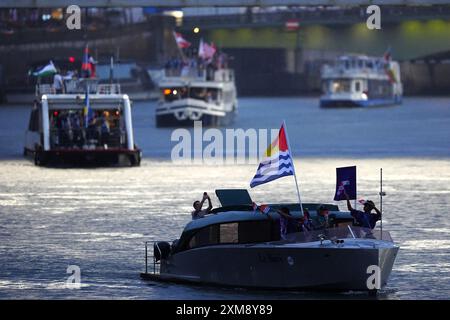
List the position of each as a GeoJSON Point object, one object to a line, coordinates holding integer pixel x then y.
{"type": "Point", "coordinates": [181, 42]}
{"type": "Point", "coordinates": [387, 54]}
{"type": "Point", "coordinates": [86, 67]}
{"type": "Point", "coordinates": [206, 51]}
{"type": "Point", "coordinates": [345, 180]}
{"type": "Point", "coordinates": [47, 70]}
{"type": "Point", "coordinates": [87, 111]}
{"type": "Point", "coordinates": [277, 162]}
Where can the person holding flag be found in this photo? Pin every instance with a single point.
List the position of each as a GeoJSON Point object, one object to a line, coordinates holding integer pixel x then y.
{"type": "Point", "coordinates": [366, 218]}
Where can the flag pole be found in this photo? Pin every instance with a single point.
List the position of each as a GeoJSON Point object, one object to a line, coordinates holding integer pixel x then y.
{"type": "Point", "coordinates": [381, 201]}
{"type": "Point", "coordinates": [356, 187]}
{"type": "Point", "coordinates": [293, 166]}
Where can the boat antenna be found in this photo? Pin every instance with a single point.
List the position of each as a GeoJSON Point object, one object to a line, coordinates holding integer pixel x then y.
{"type": "Point", "coordinates": [293, 167]}
{"type": "Point", "coordinates": [382, 193]}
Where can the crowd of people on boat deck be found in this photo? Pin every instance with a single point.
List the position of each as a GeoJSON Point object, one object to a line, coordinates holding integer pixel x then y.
{"type": "Point", "coordinates": [191, 65]}
{"type": "Point", "coordinates": [68, 130]}
{"type": "Point", "coordinates": [289, 224]}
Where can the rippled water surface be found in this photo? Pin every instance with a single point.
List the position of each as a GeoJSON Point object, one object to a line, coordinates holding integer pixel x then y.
{"type": "Point", "coordinates": [99, 218]}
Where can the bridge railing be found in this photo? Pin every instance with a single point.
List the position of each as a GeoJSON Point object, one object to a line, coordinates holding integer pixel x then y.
{"type": "Point", "coordinates": [315, 15]}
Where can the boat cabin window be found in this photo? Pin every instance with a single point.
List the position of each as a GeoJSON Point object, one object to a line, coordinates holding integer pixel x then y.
{"type": "Point", "coordinates": [357, 86]}
{"type": "Point", "coordinates": [205, 236]}
{"type": "Point", "coordinates": [235, 232]}
{"type": "Point", "coordinates": [340, 85]}
{"type": "Point", "coordinates": [176, 93]}
{"type": "Point", "coordinates": [207, 94]}
{"type": "Point", "coordinates": [229, 233]}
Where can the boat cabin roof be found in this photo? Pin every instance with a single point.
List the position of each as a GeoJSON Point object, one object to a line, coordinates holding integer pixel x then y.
{"type": "Point", "coordinates": [191, 84]}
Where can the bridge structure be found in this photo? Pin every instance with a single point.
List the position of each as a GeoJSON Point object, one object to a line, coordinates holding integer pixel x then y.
{"type": "Point", "coordinates": [205, 3]}
{"type": "Point", "coordinates": [411, 31]}
{"type": "Point", "coordinates": [264, 47]}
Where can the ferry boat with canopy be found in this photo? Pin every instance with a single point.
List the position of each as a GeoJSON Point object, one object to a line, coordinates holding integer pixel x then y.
{"type": "Point", "coordinates": [90, 124]}
{"type": "Point", "coordinates": [236, 246]}
{"type": "Point", "coordinates": [361, 81]}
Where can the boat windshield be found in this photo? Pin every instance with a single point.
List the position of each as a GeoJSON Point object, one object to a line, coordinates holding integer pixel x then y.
{"type": "Point", "coordinates": [347, 232]}
{"type": "Point", "coordinates": [340, 85]}
{"type": "Point", "coordinates": [199, 93]}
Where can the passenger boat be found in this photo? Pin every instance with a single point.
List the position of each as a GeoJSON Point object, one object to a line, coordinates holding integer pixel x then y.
{"type": "Point", "coordinates": [197, 95]}
{"type": "Point", "coordinates": [238, 247]}
{"type": "Point", "coordinates": [59, 132]}
{"type": "Point", "coordinates": [361, 81]}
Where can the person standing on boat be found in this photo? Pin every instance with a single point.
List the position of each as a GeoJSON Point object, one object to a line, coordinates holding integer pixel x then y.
{"type": "Point", "coordinates": [58, 83]}
{"type": "Point", "coordinates": [366, 218]}
{"type": "Point", "coordinates": [198, 212]}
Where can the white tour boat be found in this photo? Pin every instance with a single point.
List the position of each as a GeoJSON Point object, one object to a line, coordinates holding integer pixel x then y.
{"type": "Point", "coordinates": [196, 95]}
{"type": "Point", "coordinates": [61, 131]}
{"type": "Point", "coordinates": [361, 81]}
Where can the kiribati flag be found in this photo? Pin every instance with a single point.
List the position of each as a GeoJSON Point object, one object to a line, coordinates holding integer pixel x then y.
{"type": "Point", "coordinates": [345, 180]}
{"type": "Point", "coordinates": [277, 162]}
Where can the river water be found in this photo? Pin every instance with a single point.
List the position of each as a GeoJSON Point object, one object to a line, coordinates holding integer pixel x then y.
{"type": "Point", "coordinates": [98, 219]}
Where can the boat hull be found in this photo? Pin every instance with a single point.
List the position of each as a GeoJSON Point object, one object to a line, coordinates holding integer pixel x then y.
{"type": "Point", "coordinates": [85, 158]}
{"type": "Point", "coordinates": [281, 267]}
{"type": "Point", "coordinates": [335, 103]}
{"type": "Point", "coordinates": [169, 120]}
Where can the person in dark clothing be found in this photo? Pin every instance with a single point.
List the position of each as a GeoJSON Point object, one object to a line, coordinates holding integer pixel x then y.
{"type": "Point", "coordinates": [288, 224]}
{"type": "Point", "coordinates": [366, 218]}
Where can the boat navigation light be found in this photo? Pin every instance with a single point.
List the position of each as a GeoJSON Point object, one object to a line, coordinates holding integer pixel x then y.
{"type": "Point", "coordinates": [174, 92]}
{"type": "Point", "coordinates": [55, 113]}
{"type": "Point", "coordinates": [167, 91]}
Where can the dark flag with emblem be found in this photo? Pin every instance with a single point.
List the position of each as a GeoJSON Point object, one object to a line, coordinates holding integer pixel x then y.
{"type": "Point", "coordinates": [345, 179]}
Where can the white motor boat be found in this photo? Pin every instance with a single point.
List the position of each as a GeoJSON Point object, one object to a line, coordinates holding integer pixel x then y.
{"type": "Point", "coordinates": [238, 247]}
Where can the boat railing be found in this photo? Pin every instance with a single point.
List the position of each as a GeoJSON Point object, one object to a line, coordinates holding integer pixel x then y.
{"type": "Point", "coordinates": [185, 73]}
{"type": "Point", "coordinates": [77, 86]}
{"type": "Point", "coordinates": [113, 88]}
{"type": "Point", "coordinates": [333, 234]}
{"type": "Point", "coordinates": [328, 70]}
{"type": "Point", "coordinates": [155, 267]}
